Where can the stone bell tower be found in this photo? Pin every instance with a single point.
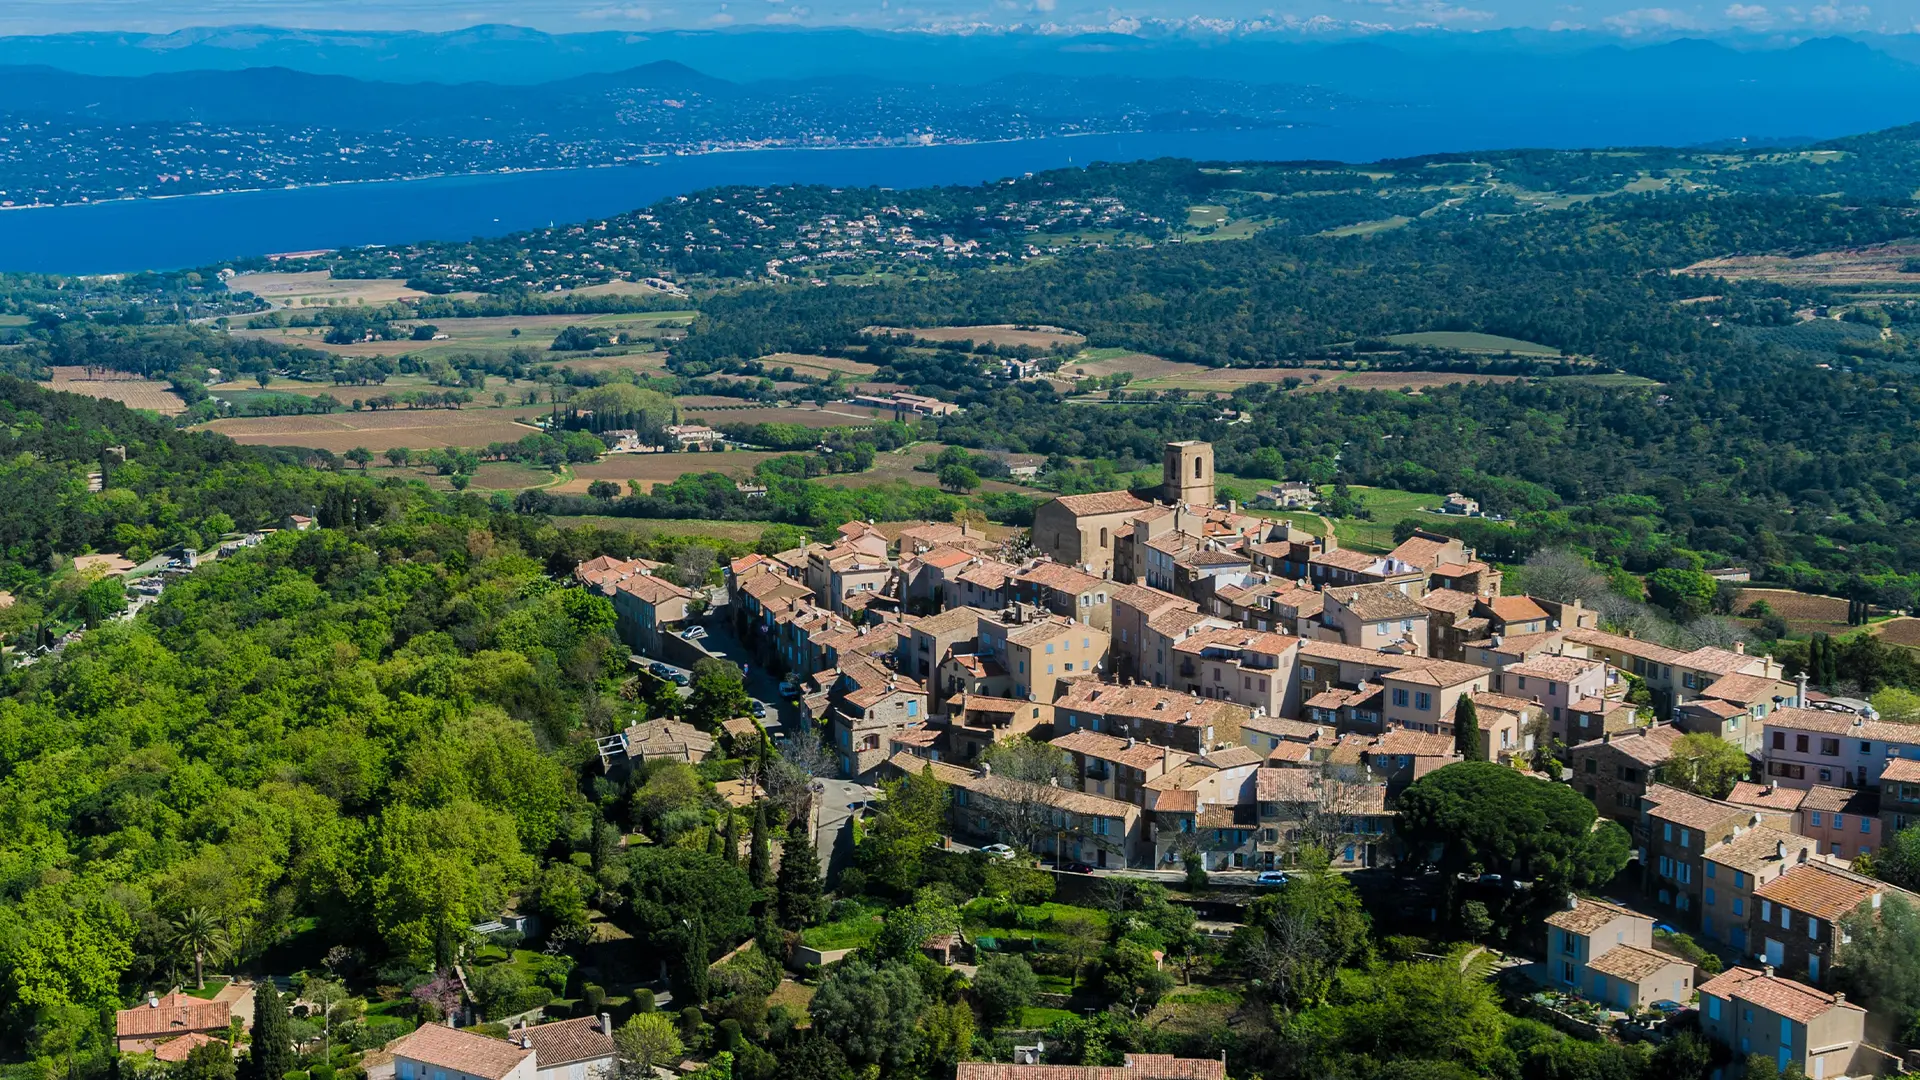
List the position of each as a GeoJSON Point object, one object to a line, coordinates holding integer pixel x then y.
{"type": "Point", "coordinates": [1187, 473]}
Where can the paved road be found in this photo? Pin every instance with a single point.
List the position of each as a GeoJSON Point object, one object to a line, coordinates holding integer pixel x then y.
{"type": "Point", "coordinates": [720, 640]}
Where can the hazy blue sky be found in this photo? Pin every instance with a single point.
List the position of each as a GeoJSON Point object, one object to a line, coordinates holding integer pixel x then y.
{"type": "Point", "coordinates": [1628, 17]}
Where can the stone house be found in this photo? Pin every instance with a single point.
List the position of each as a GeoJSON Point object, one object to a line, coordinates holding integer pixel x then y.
{"type": "Point", "coordinates": [1615, 770]}
{"type": "Point", "coordinates": [1605, 953]}
{"type": "Point", "coordinates": [1750, 1011]}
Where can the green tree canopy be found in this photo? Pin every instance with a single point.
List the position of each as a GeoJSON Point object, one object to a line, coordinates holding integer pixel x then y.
{"type": "Point", "coordinates": [1478, 813]}
{"type": "Point", "coordinates": [1705, 764]}
{"type": "Point", "coordinates": [871, 1013]}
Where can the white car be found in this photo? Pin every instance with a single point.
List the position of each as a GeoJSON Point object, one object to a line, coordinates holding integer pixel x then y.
{"type": "Point", "coordinates": [998, 851]}
{"type": "Point", "coordinates": [694, 633]}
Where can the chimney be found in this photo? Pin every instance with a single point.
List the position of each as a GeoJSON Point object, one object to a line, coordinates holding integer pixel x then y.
{"type": "Point", "coordinates": [1802, 703]}
{"type": "Point", "coordinates": [1573, 902]}
{"type": "Point", "coordinates": [1767, 970]}
{"type": "Point", "coordinates": [1130, 742]}
{"type": "Point", "coordinates": [1839, 998]}
{"type": "Point", "coordinates": [1780, 850]}
{"type": "Point", "coordinates": [606, 1023]}
{"type": "Point", "coordinates": [1740, 647]}
{"type": "Point", "coordinates": [526, 1042]}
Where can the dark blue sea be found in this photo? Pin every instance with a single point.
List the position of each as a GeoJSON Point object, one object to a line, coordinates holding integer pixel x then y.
{"type": "Point", "coordinates": [198, 231]}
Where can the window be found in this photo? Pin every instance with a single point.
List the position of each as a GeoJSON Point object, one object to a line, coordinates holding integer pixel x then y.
{"type": "Point", "coordinates": [1779, 740]}
{"type": "Point", "coordinates": [1423, 701]}
{"type": "Point", "coordinates": [1839, 821]}
{"type": "Point", "coordinates": [1400, 698]}
{"type": "Point", "coordinates": [1523, 682]}
{"type": "Point", "coordinates": [1683, 838]}
{"type": "Point", "coordinates": [1592, 765]}
{"type": "Point", "coordinates": [1711, 868]}
{"type": "Point", "coordinates": [1866, 824]}
{"type": "Point", "coordinates": [1813, 929]}
{"type": "Point", "coordinates": [1197, 466]}
{"type": "Point", "coordinates": [1766, 911]}
{"type": "Point", "coordinates": [1739, 880]}
{"type": "Point", "coordinates": [1829, 747]}
{"type": "Point", "coordinates": [1739, 907]}
{"type": "Point", "coordinates": [1049, 669]}
{"type": "Point", "coordinates": [1666, 831]}
{"type": "Point", "coordinates": [1815, 820]}
{"type": "Point", "coordinates": [1866, 748]}
{"type": "Point", "coordinates": [1709, 888]}
{"type": "Point", "coordinates": [1800, 744]}
{"type": "Point", "coordinates": [1713, 1007]}
{"type": "Point", "coordinates": [1103, 538]}
{"type": "Point", "coordinates": [1049, 648]}
{"type": "Point", "coordinates": [913, 708]}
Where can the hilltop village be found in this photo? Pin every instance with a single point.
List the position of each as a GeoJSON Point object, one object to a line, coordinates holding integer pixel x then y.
{"type": "Point", "coordinates": [1230, 690]}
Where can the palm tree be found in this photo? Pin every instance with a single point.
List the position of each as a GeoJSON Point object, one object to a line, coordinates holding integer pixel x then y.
{"type": "Point", "coordinates": [198, 933]}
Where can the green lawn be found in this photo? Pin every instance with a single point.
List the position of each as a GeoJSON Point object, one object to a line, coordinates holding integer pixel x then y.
{"type": "Point", "coordinates": [1619, 379]}
{"type": "Point", "coordinates": [1034, 1017]}
{"type": "Point", "coordinates": [854, 932]}
{"type": "Point", "coordinates": [1389, 508]}
{"type": "Point", "coordinates": [214, 985]}
{"type": "Point", "coordinates": [1476, 343]}
{"type": "Point", "coordinates": [1368, 228]}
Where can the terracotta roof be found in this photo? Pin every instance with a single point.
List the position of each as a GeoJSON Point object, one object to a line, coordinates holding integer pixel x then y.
{"type": "Point", "coordinates": [653, 590]}
{"type": "Point", "coordinates": [1555, 668]}
{"type": "Point", "coordinates": [945, 558]}
{"type": "Point", "coordinates": [950, 620]}
{"type": "Point", "coordinates": [1232, 757]}
{"type": "Point", "coordinates": [1745, 689]}
{"type": "Point", "coordinates": [1137, 1067]}
{"type": "Point", "coordinates": [1373, 603]}
{"type": "Point", "coordinates": [1430, 672]}
{"type": "Point", "coordinates": [1758, 849]}
{"type": "Point", "coordinates": [1418, 551]}
{"type": "Point", "coordinates": [1182, 777]}
{"type": "Point", "coordinates": [1517, 609]}
{"type": "Point", "coordinates": [1781, 997]}
{"type": "Point", "coordinates": [945, 772]}
{"type": "Point", "coordinates": [1341, 698]}
{"type": "Point", "coordinates": [1835, 800]}
{"type": "Point", "coordinates": [1632, 963]}
{"type": "Point", "coordinates": [1291, 753]}
{"type": "Point", "coordinates": [1717, 660]}
{"type": "Point", "coordinates": [1650, 746]}
{"type": "Point", "coordinates": [1692, 811]}
{"type": "Point", "coordinates": [1785, 800]}
{"type": "Point", "coordinates": [1398, 740]}
{"type": "Point", "coordinates": [1287, 785]}
{"type": "Point", "coordinates": [1901, 771]}
{"type": "Point", "coordinates": [1175, 800]}
{"type": "Point", "coordinates": [1147, 599]}
{"type": "Point", "coordinates": [1452, 601]}
{"type": "Point", "coordinates": [1239, 638]}
{"type": "Point", "coordinates": [451, 1048]}
{"type": "Point", "coordinates": [1631, 646]}
{"type": "Point", "coordinates": [1172, 623]}
{"type": "Point", "coordinates": [175, 1014]}
{"type": "Point", "coordinates": [1817, 889]}
{"type": "Point", "coordinates": [1715, 707]}
{"type": "Point", "coordinates": [990, 574]}
{"type": "Point", "coordinates": [1487, 699]}
{"type": "Point", "coordinates": [1587, 916]}
{"type": "Point", "coordinates": [1298, 730]}
{"type": "Point", "coordinates": [1344, 559]}
{"type": "Point", "coordinates": [176, 1050]}
{"type": "Point", "coordinates": [1144, 702]}
{"type": "Point", "coordinates": [1104, 747]}
{"type": "Point", "coordinates": [569, 1041]}
{"type": "Point", "coordinates": [1101, 502]}
{"type": "Point", "coordinates": [1354, 654]}
{"type": "Point", "coordinates": [1059, 577]}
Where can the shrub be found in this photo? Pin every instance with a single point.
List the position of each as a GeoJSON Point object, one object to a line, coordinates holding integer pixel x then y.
{"type": "Point", "coordinates": [592, 998]}
{"type": "Point", "coordinates": [643, 1001]}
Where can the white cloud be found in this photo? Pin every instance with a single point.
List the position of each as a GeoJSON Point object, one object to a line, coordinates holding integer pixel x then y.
{"type": "Point", "coordinates": [635, 12]}
{"type": "Point", "coordinates": [1044, 5]}
{"type": "Point", "coordinates": [1749, 15]}
{"type": "Point", "coordinates": [1834, 15]}
{"type": "Point", "coordinates": [1642, 20]}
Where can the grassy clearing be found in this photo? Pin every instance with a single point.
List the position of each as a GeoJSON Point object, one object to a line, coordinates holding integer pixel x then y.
{"type": "Point", "coordinates": [1389, 508]}
{"type": "Point", "coordinates": [1466, 341]}
{"type": "Point", "coordinates": [856, 930]}
{"type": "Point", "coordinates": [1368, 228]}
{"type": "Point", "coordinates": [1036, 1017]}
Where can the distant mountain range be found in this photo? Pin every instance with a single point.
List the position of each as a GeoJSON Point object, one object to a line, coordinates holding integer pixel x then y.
{"type": "Point", "coordinates": [1484, 89]}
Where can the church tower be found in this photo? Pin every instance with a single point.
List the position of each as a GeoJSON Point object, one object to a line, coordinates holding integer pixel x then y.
{"type": "Point", "coordinates": [1187, 473]}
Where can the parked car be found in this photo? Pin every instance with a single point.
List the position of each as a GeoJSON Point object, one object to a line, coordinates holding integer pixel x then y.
{"type": "Point", "coordinates": [1271, 877]}
{"type": "Point", "coordinates": [694, 633]}
{"type": "Point", "coordinates": [679, 678]}
{"type": "Point", "coordinates": [789, 688]}
{"type": "Point", "coordinates": [1072, 867]}
{"type": "Point", "coordinates": [759, 708]}
{"type": "Point", "coordinates": [660, 669]}
{"type": "Point", "coordinates": [998, 851]}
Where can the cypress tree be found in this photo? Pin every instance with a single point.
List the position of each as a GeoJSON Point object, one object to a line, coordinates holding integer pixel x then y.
{"type": "Point", "coordinates": [732, 852]}
{"type": "Point", "coordinates": [798, 884]}
{"type": "Point", "coordinates": [272, 1053]}
{"type": "Point", "coordinates": [1466, 728]}
{"type": "Point", "coordinates": [760, 865]}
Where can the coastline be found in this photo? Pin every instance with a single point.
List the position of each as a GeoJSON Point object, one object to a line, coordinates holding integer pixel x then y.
{"type": "Point", "coordinates": [641, 161]}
